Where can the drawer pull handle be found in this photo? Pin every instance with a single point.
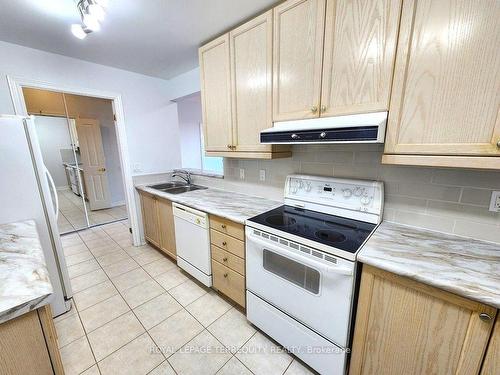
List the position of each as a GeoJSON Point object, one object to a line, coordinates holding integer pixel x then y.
{"type": "Point", "coordinates": [485, 317]}
{"type": "Point", "coordinates": [224, 259]}
{"type": "Point", "coordinates": [224, 243]}
{"type": "Point", "coordinates": [225, 275]}
{"type": "Point", "coordinates": [223, 226]}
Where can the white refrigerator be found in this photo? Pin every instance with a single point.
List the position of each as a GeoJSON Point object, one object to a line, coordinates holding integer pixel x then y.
{"type": "Point", "coordinates": [27, 192]}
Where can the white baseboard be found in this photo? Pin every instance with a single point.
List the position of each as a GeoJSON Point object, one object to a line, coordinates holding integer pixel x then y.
{"type": "Point", "coordinates": [119, 203]}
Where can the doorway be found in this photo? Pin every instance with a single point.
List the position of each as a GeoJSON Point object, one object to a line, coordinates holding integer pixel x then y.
{"type": "Point", "coordinates": [78, 138]}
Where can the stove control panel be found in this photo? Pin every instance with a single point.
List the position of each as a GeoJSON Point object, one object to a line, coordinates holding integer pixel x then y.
{"type": "Point", "coordinates": [335, 195]}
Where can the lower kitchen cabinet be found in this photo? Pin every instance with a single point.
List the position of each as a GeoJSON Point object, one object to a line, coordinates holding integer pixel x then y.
{"type": "Point", "coordinates": [491, 365]}
{"type": "Point", "coordinates": [158, 221]}
{"type": "Point", "coordinates": [406, 327]}
{"type": "Point", "coordinates": [29, 345]}
{"type": "Point", "coordinates": [228, 258]}
{"type": "Point", "coordinates": [166, 226]}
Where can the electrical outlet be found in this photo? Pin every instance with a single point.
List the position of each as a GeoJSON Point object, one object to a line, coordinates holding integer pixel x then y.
{"type": "Point", "coordinates": [262, 175]}
{"type": "Point", "coordinates": [242, 174]}
{"type": "Point", "coordinates": [495, 201]}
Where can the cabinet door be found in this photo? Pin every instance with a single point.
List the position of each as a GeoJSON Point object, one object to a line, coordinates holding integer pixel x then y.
{"type": "Point", "coordinates": [491, 364]}
{"type": "Point", "coordinates": [445, 98]}
{"type": "Point", "coordinates": [215, 94]}
{"type": "Point", "coordinates": [297, 59]}
{"type": "Point", "coordinates": [150, 218]}
{"type": "Point", "coordinates": [166, 227]}
{"type": "Point", "coordinates": [405, 327]}
{"type": "Point", "coordinates": [358, 63]}
{"type": "Point", "coordinates": [251, 82]}
{"type": "Point", "coordinates": [43, 102]}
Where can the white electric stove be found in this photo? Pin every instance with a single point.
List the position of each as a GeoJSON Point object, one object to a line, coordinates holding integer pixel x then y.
{"type": "Point", "coordinates": [301, 269]}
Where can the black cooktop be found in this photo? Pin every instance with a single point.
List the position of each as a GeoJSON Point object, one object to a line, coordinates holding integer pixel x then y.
{"type": "Point", "coordinates": [339, 232]}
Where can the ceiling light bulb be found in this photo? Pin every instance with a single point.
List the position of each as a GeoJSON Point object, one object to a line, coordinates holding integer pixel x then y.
{"type": "Point", "coordinates": [78, 31]}
{"type": "Point", "coordinates": [97, 11]}
{"type": "Point", "coordinates": [91, 22]}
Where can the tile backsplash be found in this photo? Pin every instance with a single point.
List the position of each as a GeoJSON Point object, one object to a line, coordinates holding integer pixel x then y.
{"type": "Point", "coordinates": [446, 200]}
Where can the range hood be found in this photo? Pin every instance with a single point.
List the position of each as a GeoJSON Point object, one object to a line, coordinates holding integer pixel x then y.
{"type": "Point", "coordinates": [363, 128]}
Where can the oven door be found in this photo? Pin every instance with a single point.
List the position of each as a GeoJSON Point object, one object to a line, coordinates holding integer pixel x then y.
{"type": "Point", "coordinates": [314, 291]}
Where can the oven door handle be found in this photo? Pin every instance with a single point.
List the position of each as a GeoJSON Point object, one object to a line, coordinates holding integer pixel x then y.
{"type": "Point", "coordinates": [300, 258]}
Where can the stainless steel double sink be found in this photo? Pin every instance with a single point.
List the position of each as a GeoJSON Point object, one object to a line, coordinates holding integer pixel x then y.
{"type": "Point", "coordinates": [176, 187]}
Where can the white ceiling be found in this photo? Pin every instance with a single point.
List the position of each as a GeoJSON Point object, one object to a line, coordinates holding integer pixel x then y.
{"type": "Point", "coordinates": [159, 38]}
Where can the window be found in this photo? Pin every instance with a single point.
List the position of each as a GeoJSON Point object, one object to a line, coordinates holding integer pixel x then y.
{"type": "Point", "coordinates": [191, 137]}
{"type": "Point", "coordinates": [210, 164]}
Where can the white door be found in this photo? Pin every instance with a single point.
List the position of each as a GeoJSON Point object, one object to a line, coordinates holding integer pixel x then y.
{"type": "Point", "coordinates": [93, 163]}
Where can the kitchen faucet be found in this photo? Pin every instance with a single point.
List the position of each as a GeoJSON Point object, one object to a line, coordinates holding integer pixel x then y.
{"type": "Point", "coordinates": [185, 175]}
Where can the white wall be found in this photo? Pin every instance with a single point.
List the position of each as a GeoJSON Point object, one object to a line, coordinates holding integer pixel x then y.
{"type": "Point", "coordinates": [53, 135]}
{"type": "Point", "coordinates": [189, 111]}
{"type": "Point", "coordinates": [150, 117]}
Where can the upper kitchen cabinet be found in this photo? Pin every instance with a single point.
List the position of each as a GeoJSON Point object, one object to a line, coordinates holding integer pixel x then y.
{"type": "Point", "coordinates": [444, 108]}
{"type": "Point", "coordinates": [215, 94]}
{"type": "Point", "coordinates": [298, 53]}
{"type": "Point", "coordinates": [358, 62]}
{"type": "Point", "coordinates": [236, 87]}
{"type": "Point", "coordinates": [43, 102]}
{"type": "Point", "coordinates": [251, 82]}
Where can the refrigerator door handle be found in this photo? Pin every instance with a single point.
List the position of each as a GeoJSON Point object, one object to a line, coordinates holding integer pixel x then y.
{"type": "Point", "coordinates": [54, 190]}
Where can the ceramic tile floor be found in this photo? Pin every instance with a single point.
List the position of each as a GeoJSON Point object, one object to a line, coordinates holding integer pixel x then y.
{"type": "Point", "coordinates": [136, 312]}
{"type": "Point", "coordinates": [72, 214]}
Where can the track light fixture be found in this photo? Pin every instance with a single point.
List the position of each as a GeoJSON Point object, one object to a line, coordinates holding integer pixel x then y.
{"type": "Point", "coordinates": [91, 13]}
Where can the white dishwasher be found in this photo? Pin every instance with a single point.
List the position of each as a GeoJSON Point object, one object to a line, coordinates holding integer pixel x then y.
{"type": "Point", "coordinates": [192, 238]}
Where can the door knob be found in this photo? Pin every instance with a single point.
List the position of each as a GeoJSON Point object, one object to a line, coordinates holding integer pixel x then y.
{"type": "Point", "coordinates": [323, 108]}
{"type": "Point", "coordinates": [498, 143]}
{"type": "Point", "coordinates": [314, 109]}
{"type": "Point", "coordinates": [224, 259]}
{"type": "Point", "coordinates": [229, 147]}
{"type": "Point", "coordinates": [223, 226]}
{"type": "Point", "coordinates": [224, 243]}
{"type": "Point", "coordinates": [225, 275]}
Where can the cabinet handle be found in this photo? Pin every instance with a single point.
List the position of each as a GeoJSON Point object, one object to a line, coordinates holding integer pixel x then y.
{"type": "Point", "coordinates": [225, 275]}
{"type": "Point", "coordinates": [224, 243]}
{"type": "Point", "coordinates": [323, 108]}
{"type": "Point", "coordinates": [229, 147]}
{"type": "Point", "coordinates": [485, 317]}
{"type": "Point", "coordinates": [224, 259]}
{"type": "Point", "coordinates": [314, 109]}
{"type": "Point", "coordinates": [223, 226]}
{"type": "Point", "coordinates": [498, 143]}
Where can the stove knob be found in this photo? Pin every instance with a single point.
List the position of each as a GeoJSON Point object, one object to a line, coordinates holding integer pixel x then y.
{"type": "Point", "coordinates": [346, 192]}
{"type": "Point", "coordinates": [301, 184]}
{"type": "Point", "coordinates": [358, 191]}
{"type": "Point", "coordinates": [366, 200]}
{"type": "Point", "coordinates": [308, 186]}
{"type": "Point", "coordinates": [295, 136]}
{"type": "Point", "coordinates": [322, 135]}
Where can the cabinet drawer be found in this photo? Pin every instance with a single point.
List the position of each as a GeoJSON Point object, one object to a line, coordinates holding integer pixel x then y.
{"type": "Point", "coordinates": [227, 243]}
{"type": "Point", "coordinates": [226, 258]}
{"type": "Point", "coordinates": [229, 282]}
{"type": "Point", "coordinates": [227, 227]}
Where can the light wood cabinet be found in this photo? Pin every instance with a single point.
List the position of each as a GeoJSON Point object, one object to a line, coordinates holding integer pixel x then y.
{"type": "Point", "coordinates": [228, 258]}
{"type": "Point", "coordinates": [150, 218]}
{"type": "Point", "coordinates": [215, 94]}
{"type": "Point", "coordinates": [158, 222]}
{"type": "Point", "coordinates": [43, 102]}
{"type": "Point", "coordinates": [359, 52]}
{"type": "Point", "coordinates": [298, 53]}
{"type": "Point", "coordinates": [236, 86]}
{"type": "Point", "coordinates": [491, 365]}
{"type": "Point", "coordinates": [444, 108]}
{"type": "Point", "coordinates": [166, 227]}
{"type": "Point", "coordinates": [29, 345]}
{"type": "Point", "coordinates": [405, 327]}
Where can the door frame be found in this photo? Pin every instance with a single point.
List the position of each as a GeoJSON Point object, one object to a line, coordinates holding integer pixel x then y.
{"type": "Point", "coordinates": [16, 85]}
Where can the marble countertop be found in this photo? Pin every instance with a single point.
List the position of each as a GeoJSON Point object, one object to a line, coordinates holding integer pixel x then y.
{"type": "Point", "coordinates": [464, 266]}
{"type": "Point", "coordinates": [233, 206]}
{"type": "Point", "coordinates": [24, 278]}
